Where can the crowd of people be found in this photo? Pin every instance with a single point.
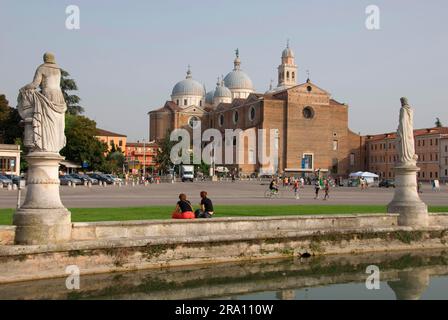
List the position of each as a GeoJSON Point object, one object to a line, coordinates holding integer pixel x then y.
{"type": "Point", "coordinates": [297, 183]}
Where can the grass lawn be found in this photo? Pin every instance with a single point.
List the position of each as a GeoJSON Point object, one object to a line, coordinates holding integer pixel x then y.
{"type": "Point", "coordinates": [164, 212]}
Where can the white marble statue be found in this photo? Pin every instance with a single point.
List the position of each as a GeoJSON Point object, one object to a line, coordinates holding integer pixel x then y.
{"type": "Point", "coordinates": [405, 135]}
{"type": "Point", "coordinates": [44, 111]}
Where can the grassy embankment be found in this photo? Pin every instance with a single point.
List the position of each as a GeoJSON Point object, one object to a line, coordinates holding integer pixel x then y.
{"type": "Point", "coordinates": [164, 212]}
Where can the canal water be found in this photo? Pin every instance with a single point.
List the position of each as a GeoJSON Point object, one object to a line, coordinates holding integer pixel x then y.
{"type": "Point", "coordinates": [398, 275]}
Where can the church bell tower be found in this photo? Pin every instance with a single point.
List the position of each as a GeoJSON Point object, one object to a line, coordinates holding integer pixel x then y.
{"type": "Point", "coordinates": [287, 70]}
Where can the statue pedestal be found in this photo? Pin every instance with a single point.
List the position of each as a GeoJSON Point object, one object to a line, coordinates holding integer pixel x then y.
{"type": "Point", "coordinates": [406, 201]}
{"type": "Point", "coordinates": [42, 219]}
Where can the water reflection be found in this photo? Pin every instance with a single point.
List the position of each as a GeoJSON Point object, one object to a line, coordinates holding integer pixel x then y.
{"type": "Point", "coordinates": [404, 275]}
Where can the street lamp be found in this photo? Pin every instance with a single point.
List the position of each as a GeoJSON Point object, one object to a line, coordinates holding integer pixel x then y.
{"type": "Point", "coordinates": [144, 158]}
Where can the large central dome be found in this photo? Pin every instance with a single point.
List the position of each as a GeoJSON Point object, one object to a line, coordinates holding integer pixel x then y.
{"type": "Point", "coordinates": [237, 79]}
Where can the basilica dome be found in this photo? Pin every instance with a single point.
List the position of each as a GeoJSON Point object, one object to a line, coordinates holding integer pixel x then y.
{"type": "Point", "coordinates": [188, 87]}
{"type": "Point", "coordinates": [222, 92]}
{"type": "Point", "coordinates": [209, 97]}
{"type": "Point", "coordinates": [237, 79]}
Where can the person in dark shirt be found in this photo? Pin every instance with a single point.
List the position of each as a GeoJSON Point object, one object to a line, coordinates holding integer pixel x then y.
{"type": "Point", "coordinates": [206, 210]}
{"type": "Point", "coordinates": [184, 209]}
{"type": "Point", "coordinates": [273, 186]}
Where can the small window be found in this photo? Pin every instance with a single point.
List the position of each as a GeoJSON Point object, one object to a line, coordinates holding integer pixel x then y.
{"type": "Point", "coordinates": [308, 113]}
{"type": "Point", "coordinates": [293, 75]}
{"type": "Point", "coordinates": [177, 101]}
{"type": "Point", "coordinates": [120, 143]}
{"type": "Point", "coordinates": [200, 103]}
{"type": "Point", "coordinates": [221, 120]}
{"type": "Point", "coordinates": [193, 122]}
{"type": "Point", "coordinates": [309, 88]}
{"type": "Point", "coordinates": [287, 75]}
{"type": "Point", "coordinates": [335, 145]}
{"type": "Point", "coordinates": [252, 113]}
{"type": "Point", "coordinates": [235, 117]}
{"type": "Point", "coordinates": [185, 102]}
{"type": "Point", "coordinates": [352, 159]}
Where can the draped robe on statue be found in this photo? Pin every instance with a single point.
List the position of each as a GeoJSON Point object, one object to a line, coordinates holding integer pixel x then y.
{"type": "Point", "coordinates": [46, 108]}
{"type": "Point", "coordinates": [405, 132]}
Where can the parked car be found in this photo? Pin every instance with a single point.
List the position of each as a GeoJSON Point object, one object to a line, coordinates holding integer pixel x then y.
{"type": "Point", "coordinates": [84, 178]}
{"type": "Point", "coordinates": [101, 177]}
{"type": "Point", "coordinates": [114, 178]}
{"type": "Point", "coordinates": [65, 180]}
{"type": "Point", "coordinates": [5, 181]}
{"type": "Point", "coordinates": [15, 179]}
{"type": "Point", "coordinates": [387, 184]}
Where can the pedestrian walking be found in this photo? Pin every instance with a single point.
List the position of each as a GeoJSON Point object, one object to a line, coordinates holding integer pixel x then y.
{"type": "Point", "coordinates": [296, 189]}
{"type": "Point", "coordinates": [326, 189]}
{"type": "Point", "coordinates": [316, 188]}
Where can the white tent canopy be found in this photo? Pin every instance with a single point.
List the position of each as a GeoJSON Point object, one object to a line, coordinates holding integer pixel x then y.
{"type": "Point", "coordinates": [363, 174]}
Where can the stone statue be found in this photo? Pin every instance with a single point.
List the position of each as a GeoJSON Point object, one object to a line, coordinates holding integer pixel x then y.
{"type": "Point", "coordinates": [42, 218]}
{"type": "Point", "coordinates": [405, 135]}
{"type": "Point", "coordinates": [413, 212]}
{"type": "Point", "coordinates": [44, 112]}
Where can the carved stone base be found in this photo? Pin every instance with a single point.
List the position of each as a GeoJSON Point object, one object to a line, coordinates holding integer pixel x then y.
{"type": "Point", "coordinates": [42, 219]}
{"type": "Point", "coordinates": [406, 201]}
{"type": "Point", "coordinates": [42, 226]}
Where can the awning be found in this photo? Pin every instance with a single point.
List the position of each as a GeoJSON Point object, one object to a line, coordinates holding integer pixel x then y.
{"type": "Point", "coordinates": [363, 174]}
{"type": "Point", "coordinates": [69, 164]}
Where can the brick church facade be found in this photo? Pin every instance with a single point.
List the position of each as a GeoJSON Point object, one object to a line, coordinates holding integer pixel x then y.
{"type": "Point", "coordinates": [311, 128]}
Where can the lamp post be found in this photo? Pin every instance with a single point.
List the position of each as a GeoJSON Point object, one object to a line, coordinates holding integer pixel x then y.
{"type": "Point", "coordinates": [144, 158]}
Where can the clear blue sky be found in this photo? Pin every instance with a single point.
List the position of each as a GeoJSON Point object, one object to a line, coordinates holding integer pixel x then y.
{"type": "Point", "coordinates": [128, 55]}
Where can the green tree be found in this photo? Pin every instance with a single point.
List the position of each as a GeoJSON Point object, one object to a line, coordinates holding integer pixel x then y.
{"type": "Point", "coordinates": [72, 100]}
{"type": "Point", "coordinates": [163, 157]}
{"type": "Point", "coordinates": [11, 131]}
{"type": "Point", "coordinates": [115, 161]}
{"type": "Point", "coordinates": [82, 145]}
{"type": "Point", "coordinates": [438, 123]}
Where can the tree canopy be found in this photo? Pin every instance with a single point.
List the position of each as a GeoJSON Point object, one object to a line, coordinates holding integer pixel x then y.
{"type": "Point", "coordinates": [11, 131]}
{"type": "Point", "coordinates": [72, 100]}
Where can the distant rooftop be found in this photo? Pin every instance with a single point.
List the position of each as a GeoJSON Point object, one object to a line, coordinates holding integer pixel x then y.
{"type": "Point", "coordinates": [105, 133]}
{"type": "Point", "coordinates": [417, 132]}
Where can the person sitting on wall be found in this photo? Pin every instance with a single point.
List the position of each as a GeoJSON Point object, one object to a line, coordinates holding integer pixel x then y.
{"type": "Point", "coordinates": [183, 210]}
{"type": "Point", "coordinates": [206, 210]}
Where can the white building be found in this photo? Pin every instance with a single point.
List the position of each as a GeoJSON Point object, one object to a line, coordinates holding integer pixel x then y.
{"type": "Point", "coordinates": [9, 159]}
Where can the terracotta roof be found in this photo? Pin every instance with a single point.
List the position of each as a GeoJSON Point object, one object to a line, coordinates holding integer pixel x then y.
{"type": "Point", "coordinates": [337, 103]}
{"type": "Point", "coordinates": [168, 106]}
{"type": "Point", "coordinates": [417, 133]}
{"type": "Point", "coordinates": [151, 144]}
{"type": "Point", "coordinates": [105, 133]}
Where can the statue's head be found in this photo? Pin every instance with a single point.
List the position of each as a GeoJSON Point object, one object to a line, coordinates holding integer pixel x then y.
{"type": "Point", "coordinates": [49, 57]}
{"type": "Point", "coordinates": [404, 101]}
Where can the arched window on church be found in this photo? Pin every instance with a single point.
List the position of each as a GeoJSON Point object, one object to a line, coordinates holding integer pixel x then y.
{"type": "Point", "coordinates": [177, 101]}
{"type": "Point", "coordinates": [293, 75]}
{"type": "Point", "coordinates": [287, 75]}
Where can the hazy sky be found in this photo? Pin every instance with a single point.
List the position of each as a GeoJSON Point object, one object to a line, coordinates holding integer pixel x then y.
{"type": "Point", "coordinates": [128, 55]}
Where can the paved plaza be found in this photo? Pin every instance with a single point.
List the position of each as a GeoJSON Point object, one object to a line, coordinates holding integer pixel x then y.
{"type": "Point", "coordinates": [240, 192]}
